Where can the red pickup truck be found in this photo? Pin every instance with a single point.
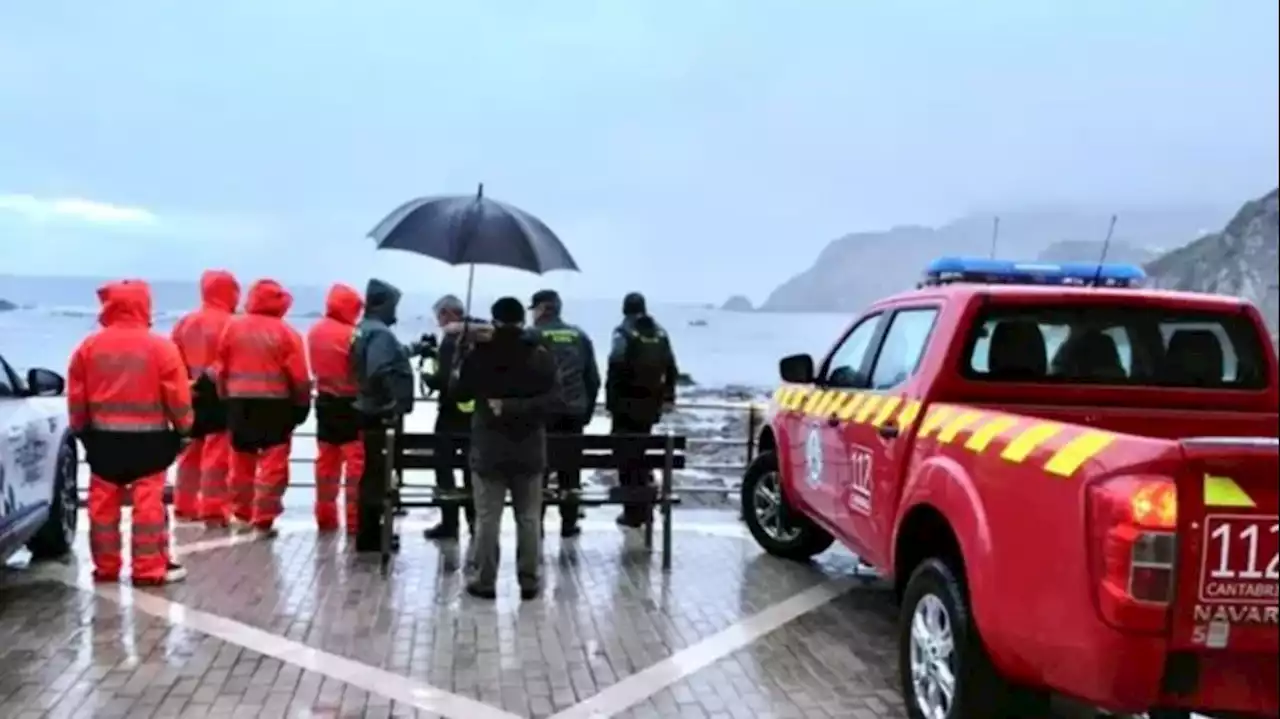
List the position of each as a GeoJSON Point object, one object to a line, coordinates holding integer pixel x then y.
{"type": "Point", "coordinates": [1073, 490]}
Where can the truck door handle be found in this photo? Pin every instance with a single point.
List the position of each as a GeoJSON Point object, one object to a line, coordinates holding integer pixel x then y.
{"type": "Point", "coordinates": [889, 431]}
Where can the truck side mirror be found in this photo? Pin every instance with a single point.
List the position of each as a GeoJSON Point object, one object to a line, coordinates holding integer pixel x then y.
{"type": "Point", "coordinates": [45, 383]}
{"type": "Point", "coordinates": [796, 369]}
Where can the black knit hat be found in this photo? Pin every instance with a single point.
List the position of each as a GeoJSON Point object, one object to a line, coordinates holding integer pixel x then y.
{"type": "Point", "coordinates": [508, 310]}
{"type": "Point", "coordinates": [633, 304]}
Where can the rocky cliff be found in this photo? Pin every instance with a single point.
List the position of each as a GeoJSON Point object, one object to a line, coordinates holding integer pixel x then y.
{"type": "Point", "coordinates": [860, 268]}
{"type": "Point", "coordinates": [1240, 260]}
{"type": "Point", "coordinates": [737, 303]}
{"type": "Point", "coordinates": [1091, 251]}
{"type": "Point", "coordinates": [6, 305]}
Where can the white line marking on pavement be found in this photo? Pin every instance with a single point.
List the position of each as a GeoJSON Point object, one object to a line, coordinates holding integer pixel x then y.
{"type": "Point", "coordinates": [644, 684]}
{"type": "Point", "coordinates": [362, 676]}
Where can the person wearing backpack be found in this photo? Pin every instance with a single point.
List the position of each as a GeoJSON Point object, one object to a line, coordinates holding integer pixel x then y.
{"type": "Point", "coordinates": [639, 388]}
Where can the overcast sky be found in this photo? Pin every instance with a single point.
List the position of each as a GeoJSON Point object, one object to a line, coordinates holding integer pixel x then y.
{"type": "Point", "coordinates": [688, 149]}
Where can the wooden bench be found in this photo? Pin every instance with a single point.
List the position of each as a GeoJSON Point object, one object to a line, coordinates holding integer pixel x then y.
{"type": "Point", "coordinates": [660, 453]}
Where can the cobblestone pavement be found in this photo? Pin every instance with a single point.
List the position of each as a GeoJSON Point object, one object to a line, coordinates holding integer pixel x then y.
{"type": "Point", "coordinates": [298, 626]}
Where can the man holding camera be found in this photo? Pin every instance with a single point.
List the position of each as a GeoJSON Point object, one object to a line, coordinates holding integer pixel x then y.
{"type": "Point", "coordinates": [453, 419]}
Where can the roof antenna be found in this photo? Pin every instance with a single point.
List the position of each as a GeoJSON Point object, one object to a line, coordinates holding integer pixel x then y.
{"type": "Point", "coordinates": [1106, 247]}
{"type": "Point", "coordinates": [995, 236]}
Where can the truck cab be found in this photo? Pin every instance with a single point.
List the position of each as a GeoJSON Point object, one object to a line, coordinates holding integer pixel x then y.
{"type": "Point", "coordinates": [1071, 481]}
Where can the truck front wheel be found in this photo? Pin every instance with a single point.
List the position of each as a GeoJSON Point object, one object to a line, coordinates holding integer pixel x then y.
{"type": "Point", "coordinates": [778, 529]}
{"type": "Point", "coordinates": [944, 668]}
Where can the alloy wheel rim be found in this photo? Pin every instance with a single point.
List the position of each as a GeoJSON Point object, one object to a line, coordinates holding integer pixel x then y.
{"type": "Point", "coordinates": [769, 511]}
{"type": "Point", "coordinates": [933, 670]}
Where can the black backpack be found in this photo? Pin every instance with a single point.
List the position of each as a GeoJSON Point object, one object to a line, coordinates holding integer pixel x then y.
{"type": "Point", "coordinates": [648, 358]}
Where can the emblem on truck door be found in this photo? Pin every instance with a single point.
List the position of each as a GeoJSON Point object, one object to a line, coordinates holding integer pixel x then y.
{"type": "Point", "coordinates": [813, 457]}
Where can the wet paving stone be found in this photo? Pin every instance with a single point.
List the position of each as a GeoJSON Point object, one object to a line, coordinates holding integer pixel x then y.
{"type": "Point", "coordinates": [607, 613]}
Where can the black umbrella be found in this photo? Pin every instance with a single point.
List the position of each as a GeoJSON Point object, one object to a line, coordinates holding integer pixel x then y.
{"type": "Point", "coordinates": [473, 230]}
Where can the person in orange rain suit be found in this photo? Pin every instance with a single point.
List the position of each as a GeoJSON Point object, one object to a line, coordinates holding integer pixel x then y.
{"type": "Point", "coordinates": [262, 374]}
{"type": "Point", "coordinates": [338, 443]}
{"type": "Point", "coordinates": [129, 403]}
{"type": "Point", "coordinates": [201, 489]}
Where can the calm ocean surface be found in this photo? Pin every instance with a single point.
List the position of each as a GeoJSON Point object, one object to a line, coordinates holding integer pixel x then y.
{"type": "Point", "coordinates": [716, 348]}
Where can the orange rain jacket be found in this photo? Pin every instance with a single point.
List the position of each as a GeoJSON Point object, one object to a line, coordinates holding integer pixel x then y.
{"type": "Point", "coordinates": [262, 371]}
{"type": "Point", "coordinates": [197, 335]}
{"type": "Point", "coordinates": [128, 396]}
{"type": "Point", "coordinates": [329, 342]}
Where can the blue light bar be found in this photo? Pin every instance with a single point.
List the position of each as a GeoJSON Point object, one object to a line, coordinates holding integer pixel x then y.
{"type": "Point", "coordinates": [950, 270]}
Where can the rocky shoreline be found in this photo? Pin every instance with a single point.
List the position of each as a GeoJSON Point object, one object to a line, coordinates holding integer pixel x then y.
{"type": "Point", "coordinates": [716, 424]}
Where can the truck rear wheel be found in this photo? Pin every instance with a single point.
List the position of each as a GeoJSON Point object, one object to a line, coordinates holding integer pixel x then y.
{"type": "Point", "coordinates": [943, 666]}
{"type": "Point", "coordinates": [777, 528]}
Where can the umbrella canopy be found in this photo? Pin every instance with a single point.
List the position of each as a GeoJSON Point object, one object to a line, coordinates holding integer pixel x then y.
{"type": "Point", "coordinates": [473, 230]}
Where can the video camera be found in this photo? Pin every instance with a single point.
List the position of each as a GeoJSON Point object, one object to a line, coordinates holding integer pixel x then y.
{"type": "Point", "coordinates": [427, 347]}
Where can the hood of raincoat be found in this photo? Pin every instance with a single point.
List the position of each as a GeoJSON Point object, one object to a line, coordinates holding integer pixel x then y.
{"type": "Point", "coordinates": [268, 297]}
{"type": "Point", "coordinates": [219, 290]}
{"type": "Point", "coordinates": [126, 303]}
{"type": "Point", "coordinates": [381, 300]}
{"type": "Point", "coordinates": [343, 304]}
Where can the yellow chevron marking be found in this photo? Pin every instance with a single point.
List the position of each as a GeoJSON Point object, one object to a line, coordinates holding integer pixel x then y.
{"type": "Point", "coordinates": [780, 395]}
{"type": "Point", "coordinates": [933, 420]}
{"type": "Point", "coordinates": [1079, 450]}
{"type": "Point", "coordinates": [868, 407]}
{"type": "Point", "coordinates": [824, 407]}
{"type": "Point", "coordinates": [1224, 492]}
{"type": "Point", "coordinates": [836, 402]}
{"type": "Point", "coordinates": [851, 406]}
{"type": "Point", "coordinates": [909, 414]}
{"type": "Point", "coordinates": [954, 427]}
{"type": "Point", "coordinates": [984, 435]}
{"type": "Point", "coordinates": [886, 409]}
{"type": "Point", "coordinates": [814, 399]}
{"type": "Point", "coordinates": [1024, 444]}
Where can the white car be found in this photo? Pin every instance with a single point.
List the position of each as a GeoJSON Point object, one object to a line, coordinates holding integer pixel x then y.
{"type": "Point", "coordinates": [37, 465]}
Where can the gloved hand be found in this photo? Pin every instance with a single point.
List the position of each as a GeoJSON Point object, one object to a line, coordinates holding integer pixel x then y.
{"type": "Point", "coordinates": [300, 414]}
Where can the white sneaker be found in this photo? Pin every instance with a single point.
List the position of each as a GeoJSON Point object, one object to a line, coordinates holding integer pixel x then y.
{"type": "Point", "coordinates": [176, 573]}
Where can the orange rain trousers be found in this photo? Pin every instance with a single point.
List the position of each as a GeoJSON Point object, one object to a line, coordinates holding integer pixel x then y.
{"type": "Point", "coordinates": [258, 482]}
{"type": "Point", "coordinates": [201, 490]}
{"type": "Point", "coordinates": [150, 533]}
{"type": "Point", "coordinates": [334, 462]}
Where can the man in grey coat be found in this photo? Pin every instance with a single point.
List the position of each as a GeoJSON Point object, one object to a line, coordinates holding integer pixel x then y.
{"type": "Point", "coordinates": [514, 381]}
{"type": "Point", "coordinates": [384, 394]}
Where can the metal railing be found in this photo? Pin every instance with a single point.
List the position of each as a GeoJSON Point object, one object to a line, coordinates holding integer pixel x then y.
{"type": "Point", "coordinates": [747, 442]}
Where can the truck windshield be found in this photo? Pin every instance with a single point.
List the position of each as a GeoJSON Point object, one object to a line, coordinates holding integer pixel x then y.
{"type": "Point", "coordinates": [1117, 345]}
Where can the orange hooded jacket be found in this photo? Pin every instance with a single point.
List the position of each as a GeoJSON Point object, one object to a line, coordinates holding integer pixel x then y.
{"type": "Point", "coordinates": [329, 342]}
{"type": "Point", "coordinates": [197, 333]}
{"type": "Point", "coordinates": [260, 356]}
{"type": "Point", "coordinates": [124, 378]}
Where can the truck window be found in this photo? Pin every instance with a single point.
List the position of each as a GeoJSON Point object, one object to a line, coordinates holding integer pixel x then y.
{"type": "Point", "coordinates": [847, 365]}
{"type": "Point", "coordinates": [903, 347]}
{"type": "Point", "coordinates": [1117, 345]}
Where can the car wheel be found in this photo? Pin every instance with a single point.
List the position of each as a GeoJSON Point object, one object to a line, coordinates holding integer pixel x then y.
{"type": "Point", "coordinates": [56, 538]}
{"type": "Point", "coordinates": [777, 528]}
{"type": "Point", "coordinates": [943, 665]}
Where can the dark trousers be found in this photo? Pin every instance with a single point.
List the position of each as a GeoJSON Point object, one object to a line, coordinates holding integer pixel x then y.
{"type": "Point", "coordinates": [373, 486]}
{"type": "Point", "coordinates": [448, 426]}
{"type": "Point", "coordinates": [566, 479]}
{"type": "Point", "coordinates": [631, 471]}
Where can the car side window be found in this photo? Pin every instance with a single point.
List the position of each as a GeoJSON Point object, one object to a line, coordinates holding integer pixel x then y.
{"type": "Point", "coordinates": [845, 366]}
{"type": "Point", "coordinates": [903, 346]}
{"type": "Point", "coordinates": [7, 388]}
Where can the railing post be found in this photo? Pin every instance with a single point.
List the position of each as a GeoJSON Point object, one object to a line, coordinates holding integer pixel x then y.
{"type": "Point", "coordinates": [668, 460]}
{"type": "Point", "coordinates": [753, 424]}
{"type": "Point", "coordinates": [389, 477]}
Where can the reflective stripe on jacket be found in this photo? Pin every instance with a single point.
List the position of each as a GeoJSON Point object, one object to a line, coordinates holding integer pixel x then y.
{"type": "Point", "coordinates": [260, 356]}
{"type": "Point", "coordinates": [124, 378]}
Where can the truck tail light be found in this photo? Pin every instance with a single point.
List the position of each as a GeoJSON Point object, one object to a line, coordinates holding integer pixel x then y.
{"type": "Point", "coordinates": [1132, 529]}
